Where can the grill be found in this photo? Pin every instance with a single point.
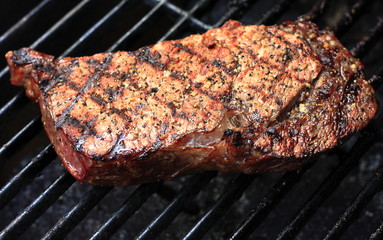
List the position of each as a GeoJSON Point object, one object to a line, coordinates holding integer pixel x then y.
{"type": "Point", "coordinates": [338, 196]}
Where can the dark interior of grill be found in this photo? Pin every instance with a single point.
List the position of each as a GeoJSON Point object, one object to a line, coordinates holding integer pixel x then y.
{"type": "Point", "coordinates": [337, 197]}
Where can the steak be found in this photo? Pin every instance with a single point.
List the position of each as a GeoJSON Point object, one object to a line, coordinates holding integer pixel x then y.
{"type": "Point", "coordinates": [237, 98]}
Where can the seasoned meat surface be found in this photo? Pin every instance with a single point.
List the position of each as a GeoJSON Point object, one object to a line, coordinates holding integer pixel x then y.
{"type": "Point", "coordinates": [235, 99]}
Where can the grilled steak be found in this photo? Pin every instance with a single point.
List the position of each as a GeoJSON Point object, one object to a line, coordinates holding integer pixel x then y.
{"type": "Point", "coordinates": [235, 99]}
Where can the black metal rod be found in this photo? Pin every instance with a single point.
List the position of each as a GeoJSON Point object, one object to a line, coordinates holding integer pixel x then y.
{"type": "Point", "coordinates": [9, 108]}
{"type": "Point", "coordinates": [24, 20]}
{"type": "Point", "coordinates": [59, 23]}
{"type": "Point", "coordinates": [185, 15]}
{"type": "Point", "coordinates": [368, 41]}
{"type": "Point", "coordinates": [350, 17]}
{"type": "Point", "coordinates": [330, 183]}
{"type": "Point", "coordinates": [78, 213]}
{"type": "Point", "coordinates": [275, 12]}
{"type": "Point", "coordinates": [23, 221]}
{"type": "Point", "coordinates": [378, 234]}
{"type": "Point", "coordinates": [235, 11]}
{"type": "Point", "coordinates": [143, 20]}
{"type": "Point", "coordinates": [91, 30]}
{"type": "Point", "coordinates": [268, 202]}
{"type": "Point", "coordinates": [376, 80]}
{"type": "Point", "coordinates": [233, 192]}
{"type": "Point", "coordinates": [184, 197]}
{"type": "Point", "coordinates": [355, 208]}
{"type": "Point", "coordinates": [14, 144]}
{"type": "Point", "coordinates": [180, 12]}
{"type": "Point", "coordinates": [128, 208]}
{"type": "Point", "coordinates": [318, 9]}
{"type": "Point", "coordinates": [25, 176]}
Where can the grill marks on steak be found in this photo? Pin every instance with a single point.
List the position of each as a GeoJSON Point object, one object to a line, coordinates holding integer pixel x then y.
{"type": "Point", "coordinates": [237, 98]}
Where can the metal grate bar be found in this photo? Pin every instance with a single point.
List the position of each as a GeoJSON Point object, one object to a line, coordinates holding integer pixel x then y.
{"type": "Point", "coordinates": [23, 221]}
{"type": "Point", "coordinates": [232, 193]}
{"type": "Point", "coordinates": [61, 22]}
{"type": "Point", "coordinates": [274, 13]}
{"type": "Point", "coordinates": [136, 27]}
{"type": "Point", "coordinates": [183, 198]}
{"type": "Point", "coordinates": [330, 183]}
{"type": "Point", "coordinates": [376, 80]}
{"type": "Point", "coordinates": [234, 11]}
{"type": "Point", "coordinates": [184, 16]}
{"type": "Point", "coordinates": [127, 209]}
{"type": "Point", "coordinates": [23, 20]}
{"type": "Point", "coordinates": [268, 202]}
{"type": "Point", "coordinates": [72, 218]}
{"type": "Point", "coordinates": [378, 234]}
{"type": "Point", "coordinates": [355, 208]}
{"type": "Point", "coordinates": [24, 177]}
{"type": "Point", "coordinates": [350, 17]}
{"type": "Point", "coordinates": [27, 132]}
{"type": "Point", "coordinates": [99, 23]}
{"type": "Point", "coordinates": [19, 100]}
{"type": "Point", "coordinates": [367, 42]}
{"type": "Point", "coordinates": [174, 9]}
{"type": "Point", "coordinates": [318, 9]}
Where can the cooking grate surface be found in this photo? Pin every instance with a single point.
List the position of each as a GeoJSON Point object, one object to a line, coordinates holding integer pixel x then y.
{"type": "Point", "coordinates": [339, 196]}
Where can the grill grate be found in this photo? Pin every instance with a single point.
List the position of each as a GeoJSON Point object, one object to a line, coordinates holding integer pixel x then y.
{"type": "Point", "coordinates": [175, 19]}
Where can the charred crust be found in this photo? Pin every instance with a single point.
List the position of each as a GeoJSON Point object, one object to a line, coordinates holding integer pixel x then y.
{"type": "Point", "coordinates": [172, 107]}
{"type": "Point", "coordinates": [177, 75]}
{"type": "Point", "coordinates": [256, 117]}
{"type": "Point", "coordinates": [22, 57]}
{"type": "Point", "coordinates": [145, 155]}
{"type": "Point", "coordinates": [325, 60]}
{"type": "Point", "coordinates": [184, 116]}
{"type": "Point", "coordinates": [154, 90]}
{"type": "Point", "coordinates": [97, 99]}
{"type": "Point", "coordinates": [293, 132]}
{"type": "Point", "coordinates": [182, 47]}
{"type": "Point", "coordinates": [323, 93]}
{"type": "Point", "coordinates": [44, 83]}
{"type": "Point", "coordinates": [237, 139]}
{"type": "Point", "coordinates": [198, 85]}
{"type": "Point", "coordinates": [73, 86]}
{"type": "Point", "coordinates": [145, 55]}
{"type": "Point", "coordinates": [279, 101]}
{"type": "Point", "coordinates": [60, 77]}
{"type": "Point", "coordinates": [234, 136]}
{"type": "Point", "coordinates": [104, 65]}
{"type": "Point", "coordinates": [77, 145]}
{"type": "Point", "coordinates": [73, 121]}
{"type": "Point", "coordinates": [228, 133]}
{"type": "Point", "coordinates": [271, 131]}
{"type": "Point", "coordinates": [113, 152]}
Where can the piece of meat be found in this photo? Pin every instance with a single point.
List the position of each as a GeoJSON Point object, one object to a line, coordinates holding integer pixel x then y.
{"type": "Point", "coordinates": [235, 99]}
